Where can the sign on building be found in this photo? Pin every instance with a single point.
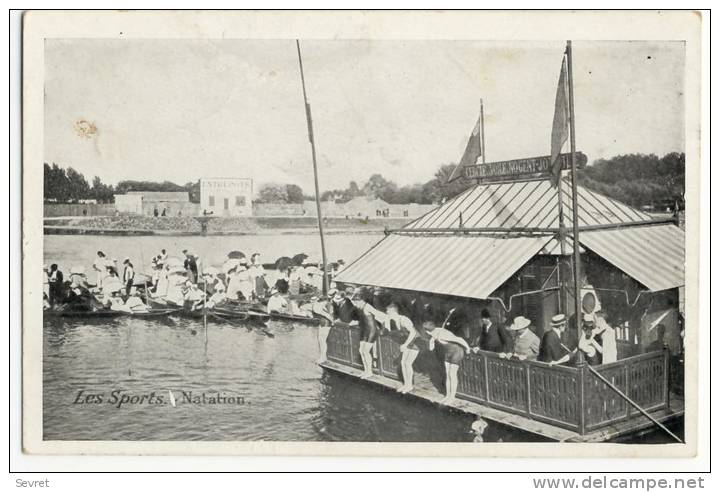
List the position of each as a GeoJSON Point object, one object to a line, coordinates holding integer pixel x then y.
{"type": "Point", "coordinates": [226, 196]}
{"type": "Point", "coordinates": [521, 168]}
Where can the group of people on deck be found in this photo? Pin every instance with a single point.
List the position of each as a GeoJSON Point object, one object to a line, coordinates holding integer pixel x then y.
{"type": "Point", "coordinates": [454, 332]}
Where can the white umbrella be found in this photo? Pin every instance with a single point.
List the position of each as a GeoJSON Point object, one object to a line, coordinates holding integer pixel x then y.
{"type": "Point", "coordinates": [77, 270]}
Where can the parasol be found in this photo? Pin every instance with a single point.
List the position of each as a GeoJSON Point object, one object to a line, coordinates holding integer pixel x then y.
{"type": "Point", "coordinates": [299, 259]}
{"type": "Point", "coordinates": [283, 263]}
{"type": "Point", "coordinates": [77, 270]}
{"type": "Point", "coordinates": [235, 255]}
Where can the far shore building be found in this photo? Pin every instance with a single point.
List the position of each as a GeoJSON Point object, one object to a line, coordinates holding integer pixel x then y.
{"type": "Point", "coordinates": [226, 197]}
{"type": "Point", "coordinates": [168, 203]}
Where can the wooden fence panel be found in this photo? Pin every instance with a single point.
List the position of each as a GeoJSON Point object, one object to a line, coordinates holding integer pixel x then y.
{"type": "Point", "coordinates": [389, 355]}
{"type": "Point", "coordinates": [355, 359]}
{"type": "Point", "coordinates": [602, 405]}
{"type": "Point", "coordinates": [472, 384]}
{"type": "Point", "coordinates": [647, 381]}
{"type": "Point", "coordinates": [338, 345]}
{"type": "Point", "coordinates": [507, 383]}
{"type": "Point", "coordinates": [553, 394]}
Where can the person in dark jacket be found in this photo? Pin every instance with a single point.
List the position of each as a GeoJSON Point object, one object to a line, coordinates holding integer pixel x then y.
{"type": "Point", "coordinates": [56, 285]}
{"type": "Point", "coordinates": [492, 337]}
{"type": "Point", "coordinates": [190, 265]}
{"type": "Point", "coordinates": [551, 346]}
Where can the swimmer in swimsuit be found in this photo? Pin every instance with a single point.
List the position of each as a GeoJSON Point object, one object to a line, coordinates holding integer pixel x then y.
{"type": "Point", "coordinates": [409, 349]}
{"type": "Point", "coordinates": [368, 317]}
{"type": "Point", "coordinates": [455, 349]}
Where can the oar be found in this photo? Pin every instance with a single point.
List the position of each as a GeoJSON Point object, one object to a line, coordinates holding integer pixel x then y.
{"type": "Point", "coordinates": [630, 401]}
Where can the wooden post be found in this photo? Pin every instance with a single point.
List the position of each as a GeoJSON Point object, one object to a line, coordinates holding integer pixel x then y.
{"type": "Point", "coordinates": [573, 173]}
{"type": "Point", "coordinates": [311, 137]}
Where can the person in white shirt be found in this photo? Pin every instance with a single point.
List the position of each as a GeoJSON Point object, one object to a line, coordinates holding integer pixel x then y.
{"type": "Point", "coordinates": [194, 297]}
{"type": "Point", "coordinates": [277, 302]}
{"type": "Point", "coordinates": [100, 267]}
{"type": "Point", "coordinates": [218, 297]}
{"type": "Point", "coordinates": [608, 339]}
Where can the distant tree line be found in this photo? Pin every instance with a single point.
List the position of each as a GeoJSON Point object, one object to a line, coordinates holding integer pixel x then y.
{"type": "Point", "coordinates": [69, 186]}
{"type": "Point", "coordinates": [639, 179]}
{"type": "Point", "coordinates": [636, 179]}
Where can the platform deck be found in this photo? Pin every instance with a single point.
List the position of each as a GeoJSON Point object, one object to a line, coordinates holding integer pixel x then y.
{"type": "Point", "coordinates": [425, 390]}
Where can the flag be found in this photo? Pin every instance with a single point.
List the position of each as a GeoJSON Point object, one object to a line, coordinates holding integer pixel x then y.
{"type": "Point", "coordinates": [560, 126]}
{"type": "Point", "coordinates": [473, 150]}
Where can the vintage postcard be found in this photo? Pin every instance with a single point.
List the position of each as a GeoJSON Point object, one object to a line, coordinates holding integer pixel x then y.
{"type": "Point", "coordinates": [361, 233]}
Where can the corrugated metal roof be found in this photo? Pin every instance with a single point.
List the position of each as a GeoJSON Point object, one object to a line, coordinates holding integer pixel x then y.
{"type": "Point", "coordinates": [523, 204]}
{"type": "Point", "coordinates": [466, 266]}
{"type": "Point", "coordinates": [652, 255]}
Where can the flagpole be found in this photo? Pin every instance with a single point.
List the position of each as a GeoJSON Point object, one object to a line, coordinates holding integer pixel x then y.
{"type": "Point", "coordinates": [562, 234]}
{"type": "Point", "coordinates": [573, 172]}
{"type": "Point", "coordinates": [314, 159]}
{"type": "Point", "coordinates": [482, 131]}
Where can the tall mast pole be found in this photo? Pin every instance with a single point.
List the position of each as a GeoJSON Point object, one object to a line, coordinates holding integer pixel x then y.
{"type": "Point", "coordinates": [311, 137]}
{"type": "Point", "coordinates": [576, 233]}
{"type": "Point", "coordinates": [562, 234]}
{"type": "Point", "coordinates": [482, 131]}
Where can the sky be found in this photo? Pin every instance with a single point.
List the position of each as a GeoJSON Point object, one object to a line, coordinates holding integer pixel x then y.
{"type": "Point", "coordinates": [180, 110]}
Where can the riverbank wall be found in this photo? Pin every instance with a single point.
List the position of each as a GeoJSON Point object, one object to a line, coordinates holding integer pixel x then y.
{"type": "Point", "coordinates": [142, 225]}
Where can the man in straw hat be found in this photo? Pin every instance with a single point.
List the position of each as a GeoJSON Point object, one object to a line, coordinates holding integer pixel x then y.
{"type": "Point", "coordinates": [526, 345]}
{"type": "Point", "coordinates": [551, 348]}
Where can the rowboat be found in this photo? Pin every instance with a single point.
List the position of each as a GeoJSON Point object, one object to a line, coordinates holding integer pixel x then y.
{"type": "Point", "coordinates": [108, 313]}
{"type": "Point", "coordinates": [294, 318]}
{"type": "Point", "coordinates": [73, 313]}
{"type": "Point", "coordinates": [226, 314]}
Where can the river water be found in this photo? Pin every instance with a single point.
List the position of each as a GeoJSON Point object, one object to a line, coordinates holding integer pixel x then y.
{"type": "Point", "coordinates": [113, 379]}
{"type": "Point", "coordinates": [280, 392]}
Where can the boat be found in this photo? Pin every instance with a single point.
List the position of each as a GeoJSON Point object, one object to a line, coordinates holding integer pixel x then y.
{"type": "Point", "coordinates": [76, 313]}
{"type": "Point", "coordinates": [108, 313]}
{"type": "Point", "coordinates": [226, 314]}
{"type": "Point", "coordinates": [293, 318]}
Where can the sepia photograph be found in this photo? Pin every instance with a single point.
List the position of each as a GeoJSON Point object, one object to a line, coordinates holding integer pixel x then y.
{"type": "Point", "coordinates": [372, 240]}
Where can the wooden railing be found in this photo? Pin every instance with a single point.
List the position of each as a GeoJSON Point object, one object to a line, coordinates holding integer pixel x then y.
{"type": "Point", "coordinates": [568, 397]}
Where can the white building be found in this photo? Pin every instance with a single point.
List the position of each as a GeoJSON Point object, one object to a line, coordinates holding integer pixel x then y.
{"type": "Point", "coordinates": [226, 196]}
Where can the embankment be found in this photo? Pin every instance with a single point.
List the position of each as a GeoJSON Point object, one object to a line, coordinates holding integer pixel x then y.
{"type": "Point", "coordinates": [143, 225]}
